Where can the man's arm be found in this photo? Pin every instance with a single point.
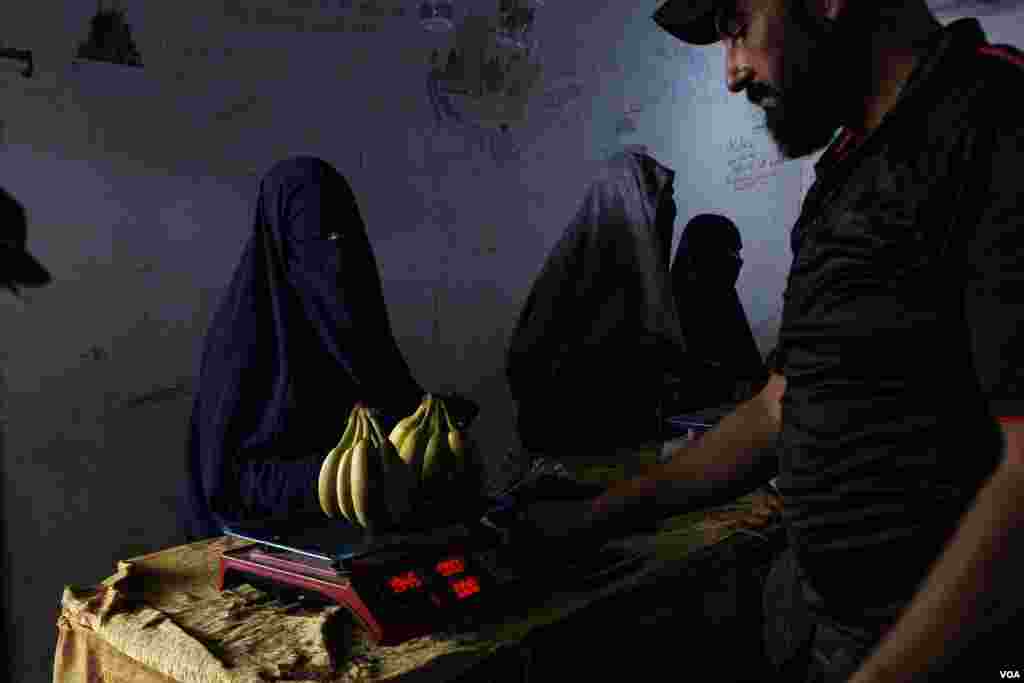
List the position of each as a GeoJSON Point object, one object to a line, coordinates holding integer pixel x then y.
{"type": "Point", "coordinates": [972, 588]}
{"type": "Point", "coordinates": [732, 459]}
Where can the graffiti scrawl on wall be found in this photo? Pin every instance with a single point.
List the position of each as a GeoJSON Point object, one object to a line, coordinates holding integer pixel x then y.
{"type": "Point", "coordinates": [483, 83]}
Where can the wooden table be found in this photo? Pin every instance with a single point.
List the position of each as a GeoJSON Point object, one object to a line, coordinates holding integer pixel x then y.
{"type": "Point", "coordinates": [694, 600]}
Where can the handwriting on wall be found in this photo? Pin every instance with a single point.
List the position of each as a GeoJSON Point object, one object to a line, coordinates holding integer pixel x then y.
{"type": "Point", "coordinates": [749, 165]}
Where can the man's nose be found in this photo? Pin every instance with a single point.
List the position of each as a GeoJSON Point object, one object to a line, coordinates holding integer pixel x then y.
{"type": "Point", "coordinates": [738, 73]}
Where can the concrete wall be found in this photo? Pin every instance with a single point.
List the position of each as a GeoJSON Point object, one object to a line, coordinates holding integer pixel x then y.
{"type": "Point", "coordinates": [140, 185]}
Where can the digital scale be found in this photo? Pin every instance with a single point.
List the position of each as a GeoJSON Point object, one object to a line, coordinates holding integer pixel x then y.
{"type": "Point", "coordinates": [406, 586]}
{"type": "Point", "coordinates": [398, 588]}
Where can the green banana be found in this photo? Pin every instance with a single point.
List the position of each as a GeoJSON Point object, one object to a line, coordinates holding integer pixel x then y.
{"type": "Point", "coordinates": [468, 469]}
{"type": "Point", "coordinates": [438, 460]}
{"type": "Point", "coordinates": [456, 442]}
{"type": "Point", "coordinates": [372, 430]}
{"type": "Point", "coordinates": [412, 449]}
{"type": "Point", "coordinates": [397, 475]}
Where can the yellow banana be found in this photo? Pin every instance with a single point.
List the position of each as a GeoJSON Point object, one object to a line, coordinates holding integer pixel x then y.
{"type": "Point", "coordinates": [350, 428]}
{"type": "Point", "coordinates": [407, 424]}
{"type": "Point", "coordinates": [344, 491]}
{"type": "Point", "coordinates": [370, 425]}
{"type": "Point", "coordinates": [326, 489]}
{"type": "Point", "coordinates": [362, 461]}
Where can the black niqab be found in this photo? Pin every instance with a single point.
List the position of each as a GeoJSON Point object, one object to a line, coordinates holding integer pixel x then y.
{"type": "Point", "coordinates": [599, 325]}
{"type": "Point", "coordinates": [301, 334]}
{"type": "Point", "coordinates": [711, 315]}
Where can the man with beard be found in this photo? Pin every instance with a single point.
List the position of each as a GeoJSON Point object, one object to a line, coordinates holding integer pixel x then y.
{"type": "Point", "coordinates": [892, 416]}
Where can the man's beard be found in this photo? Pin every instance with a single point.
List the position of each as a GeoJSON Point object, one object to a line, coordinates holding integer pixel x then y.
{"type": "Point", "coordinates": [819, 75]}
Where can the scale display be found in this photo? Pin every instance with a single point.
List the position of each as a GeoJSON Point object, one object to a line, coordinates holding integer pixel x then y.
{"type": "Point", "coordinates": [398, 590]}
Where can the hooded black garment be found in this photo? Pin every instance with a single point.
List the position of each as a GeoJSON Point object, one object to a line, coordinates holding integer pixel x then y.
{"type": "Point", "coordinates": [599, 327]}
{"type": "Point", "coordinates": [712, 318]}
{"type": "Point", "coordinates": [301, 334]}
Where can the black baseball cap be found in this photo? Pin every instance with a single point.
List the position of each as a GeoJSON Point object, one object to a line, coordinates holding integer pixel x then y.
{"type": "Point", "coordinates": [691, 21]}
{"type": "Point", "coordinates": [17, 266]}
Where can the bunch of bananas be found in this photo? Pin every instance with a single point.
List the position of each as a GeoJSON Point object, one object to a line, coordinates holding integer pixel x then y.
{"type": "Point", "coordinates": [363, 479]}
{"type": "Point", "coordinates": [442, 457]}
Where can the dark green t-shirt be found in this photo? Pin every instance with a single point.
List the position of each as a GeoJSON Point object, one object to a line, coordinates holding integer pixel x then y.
{"type": "Point", "coordinates": [899, 339]}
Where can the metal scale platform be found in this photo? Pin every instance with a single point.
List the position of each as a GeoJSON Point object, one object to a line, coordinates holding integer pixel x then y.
{"type": "Point", "coordinates": [406, 586]}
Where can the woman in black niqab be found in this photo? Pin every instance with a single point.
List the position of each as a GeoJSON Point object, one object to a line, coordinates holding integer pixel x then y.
{"type": "Point", "coordinates": [724, 356]}
{"type": "Point", "coordinates": [598, 330]}
{"type": "Point", "coordinates": [301, 334]}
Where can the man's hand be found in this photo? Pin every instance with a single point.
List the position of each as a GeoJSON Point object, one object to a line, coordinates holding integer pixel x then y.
{"type": "Point", "coordinates": [972, 587]}
{"type": "Point", "coordinates": [559, 527]}
{"type": "Point", "coordinates": [569, 527]}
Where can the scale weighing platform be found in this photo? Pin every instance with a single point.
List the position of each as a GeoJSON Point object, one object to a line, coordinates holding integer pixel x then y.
{"type": "Point", "coordinates": [402, 587]}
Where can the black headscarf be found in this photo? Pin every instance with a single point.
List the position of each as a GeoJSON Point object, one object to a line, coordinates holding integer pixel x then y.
{"type": "Point", "coordinates": [599, 325]}
{"type": "Point", "coordinates": [17, 266]}
{"type": "Point", "coordinates": [301, 334]}
{"type": "Point", "coordinates": [704, 275]}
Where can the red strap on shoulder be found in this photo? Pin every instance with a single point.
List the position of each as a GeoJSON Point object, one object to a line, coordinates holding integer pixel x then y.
{"type": "Point", "coordinates": [1003, 52]}
{"type": "Point", "coordinates": [841, 147]}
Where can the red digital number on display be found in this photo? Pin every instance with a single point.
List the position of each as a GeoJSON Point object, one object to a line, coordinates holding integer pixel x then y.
{"type": "Point", "coordinates": [466, 587]}
{"type": "Point", "coordinates": [451, 566]}
{"type": "Point", "coordinates": [405, 582]}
